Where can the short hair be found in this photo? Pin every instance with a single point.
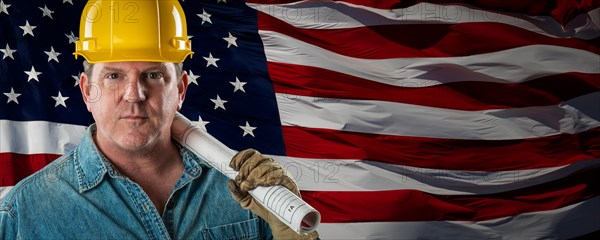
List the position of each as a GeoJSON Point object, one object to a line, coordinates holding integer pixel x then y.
{"type": "Point", "coordinates": [88, 67]}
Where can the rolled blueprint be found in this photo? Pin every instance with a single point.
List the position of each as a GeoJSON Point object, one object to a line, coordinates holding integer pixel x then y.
{"type": "Point", "coordinates": [281, 202]}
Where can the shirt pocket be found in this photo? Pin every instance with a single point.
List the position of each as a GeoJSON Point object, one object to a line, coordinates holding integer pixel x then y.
{"type": "Point", "coordinates": [239, 230]}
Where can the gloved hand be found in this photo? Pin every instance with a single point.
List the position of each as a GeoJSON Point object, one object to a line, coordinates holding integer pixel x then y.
{"type": "Point", "coordinates": [257, 170]}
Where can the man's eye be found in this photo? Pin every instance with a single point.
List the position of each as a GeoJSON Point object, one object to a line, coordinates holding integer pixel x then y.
{"type": "Point", "coordinates": [154, 75]}
{"type": "Point", "coordinates": [112, 76]}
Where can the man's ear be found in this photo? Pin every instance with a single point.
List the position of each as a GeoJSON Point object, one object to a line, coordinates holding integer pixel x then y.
{"type": "Point", "coordinates": [182, 87]}
{"type": "Point", "coordinates": [85, 86]}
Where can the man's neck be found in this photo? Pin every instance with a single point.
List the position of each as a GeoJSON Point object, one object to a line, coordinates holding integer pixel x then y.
{"type": "Point", "coordinates": [156, 169]}
{"type": "Point", "coordinates": [149, 162]}
{"type": "Point", "coordinates": [158, 161]}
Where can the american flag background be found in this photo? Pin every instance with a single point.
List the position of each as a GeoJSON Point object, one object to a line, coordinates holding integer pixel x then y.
{"type": "Point", "coordinates": [440, 119]}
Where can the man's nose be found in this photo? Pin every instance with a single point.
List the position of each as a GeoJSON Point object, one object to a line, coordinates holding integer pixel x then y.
{"type": "Point", "coordinates": [134, 91]}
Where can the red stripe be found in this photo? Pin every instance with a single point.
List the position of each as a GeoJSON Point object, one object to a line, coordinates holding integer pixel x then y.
{"type": "Point", "coordinates": [562, 10]}
{"type": "Point", "coordinates": [413, 205]}
{"type": "Point", "coordinates": [439, 40]}
{"type": "Point", "coordinates": [14, 167]}
{"type": "Point", "coordinates": [468, 95]}
{"type": "Point", "coordinates": [469, 155]}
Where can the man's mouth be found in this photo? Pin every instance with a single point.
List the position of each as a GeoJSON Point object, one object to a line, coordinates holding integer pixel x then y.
{"type": "Point", "coordinates": [133, 118]}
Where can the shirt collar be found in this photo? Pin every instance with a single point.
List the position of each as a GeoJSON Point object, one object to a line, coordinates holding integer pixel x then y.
{"type": "Point", "coordinates": [192, 163]}
{"type": "Point", "coordinates": [91, 165]}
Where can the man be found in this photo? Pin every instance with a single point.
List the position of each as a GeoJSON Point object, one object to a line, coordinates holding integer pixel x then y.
{"type": "Point", "coordinates": [128, 178]}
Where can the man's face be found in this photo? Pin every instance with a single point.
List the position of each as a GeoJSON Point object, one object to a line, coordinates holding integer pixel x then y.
{"type": "Point", "coordinates": [133, 103]}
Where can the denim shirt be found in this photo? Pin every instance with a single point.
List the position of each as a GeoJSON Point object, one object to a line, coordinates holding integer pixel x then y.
{"type": "Point", "coordinates": [81, 196]}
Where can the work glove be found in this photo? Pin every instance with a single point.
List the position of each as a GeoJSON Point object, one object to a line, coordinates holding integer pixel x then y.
{"type": "Point", "coordinates": [255, 170]}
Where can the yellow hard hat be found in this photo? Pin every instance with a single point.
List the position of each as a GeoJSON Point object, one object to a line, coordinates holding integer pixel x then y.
{"type": "Point", "coordinates": [142, 30]}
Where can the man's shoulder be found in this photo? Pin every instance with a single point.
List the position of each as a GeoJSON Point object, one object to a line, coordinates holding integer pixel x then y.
{"type": "Point", "coordinates": [58, 173]}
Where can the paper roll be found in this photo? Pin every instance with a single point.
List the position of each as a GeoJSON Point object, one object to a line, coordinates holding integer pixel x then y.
{"type": "Point", "coordinates": [281, 202]}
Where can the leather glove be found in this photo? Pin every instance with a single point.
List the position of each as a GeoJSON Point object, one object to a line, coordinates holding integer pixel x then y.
{"type": "Point", "coordinates": [255, 170]}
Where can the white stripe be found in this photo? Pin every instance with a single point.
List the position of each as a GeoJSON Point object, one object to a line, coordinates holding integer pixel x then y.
{"type": "Point", "coordinates": [4, 191]}
{"type": "Point", "coordinates": [339, 15]}
{"type": "Point", "coordinates": [389, 118]}
{"type": "Point", "coordinates": [36, 137]}
{"type": "Point", "coordinates": [567, 222]}
{"type": "Point", "coordinates": [358, 175]}
{"type": "Point", "coordinates": [319, 174]}
{"type": "Point", "coordinates": [513, 65]}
